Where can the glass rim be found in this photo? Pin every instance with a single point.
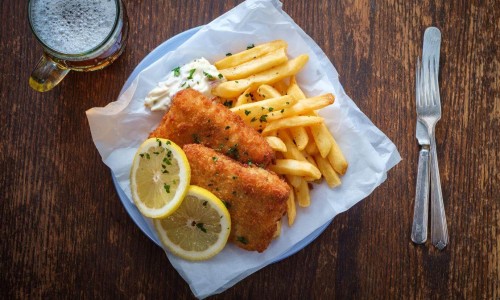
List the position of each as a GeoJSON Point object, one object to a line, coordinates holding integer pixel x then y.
{"type": "Point", "coordinates": [85, 53]}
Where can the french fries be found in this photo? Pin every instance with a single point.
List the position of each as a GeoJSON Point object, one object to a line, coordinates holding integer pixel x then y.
{"type": "Point", "coordinates": [267, 91]}
{"type": "Point", "coordinates": [295, 167]}
{"type": "Point", "coordinates": [300, 137]}
{"type": "Point", "coordinates": [256, 65]}
{"type": "Point", "coordinates": [294, 121]}
{"type": "Point", "coordinates": [302, 195]}
{"type": "Point", "coordinates": [262, 83]}
{"type": "Point", "coordinates": [249, 54]}
{"type": "Point", "coordinates": [291, 211]}
{"type": "Point", "coordinates": [234, 88]}
{"type": "Point", "coordinates": [276, 143]}
{"type": "Point", "coordinates": [262, 110]}
{"type": "Point", "coordinates": [320, 135]}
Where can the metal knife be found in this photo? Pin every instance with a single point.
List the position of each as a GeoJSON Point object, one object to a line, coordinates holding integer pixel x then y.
{"type": "Point", "coordinates": [439, 228]}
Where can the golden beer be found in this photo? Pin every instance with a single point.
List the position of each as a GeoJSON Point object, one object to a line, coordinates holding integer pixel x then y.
{"type": "Point", "coordinates": [80, 35]}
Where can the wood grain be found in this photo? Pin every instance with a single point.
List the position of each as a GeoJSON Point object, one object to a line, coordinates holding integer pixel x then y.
{"type": "Point", "coordinates": [65, 234]}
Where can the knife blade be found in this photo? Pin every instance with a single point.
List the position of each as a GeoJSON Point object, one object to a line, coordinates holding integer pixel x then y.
{"type": "Point", "coordinates": [439, 228]}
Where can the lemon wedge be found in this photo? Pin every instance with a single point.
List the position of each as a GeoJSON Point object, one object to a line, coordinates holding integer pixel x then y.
{"type": "Point", "coordinates": [159, 177]}
{"type": "Point", "coordinates": [198, 229]}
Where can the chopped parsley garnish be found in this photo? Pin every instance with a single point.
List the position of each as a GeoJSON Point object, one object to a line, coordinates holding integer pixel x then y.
{"type": "Point", "coordinates": [247, 112]}
{"type": "Point", "coordinates": [209, 76]}
{"type": "Point", "coordinates": [253, 119]}
{"type": "Point", "coordinates": [228, 103]}
{"type": "Point", "coordinates": [250, 46]}
{"type": "Point", "coordinates": [233, 152]}
{"type": "Point", "coordinates": [177, 71]}
{"type": "Point", "coordinates": [205, 203]}
{"type": "Point", "coordinates": [227, 204]}
{"type": "Point", "coordinates": [242, 239]}
{"type": "Point", "coordinates": [196, 138]}
{"type": "Point", "coordinates": [215, 158]}
{"type": "Point", "coordinates": [156, 152]}
{"type": "Point", "coordinates": [263, 118]}
{"type": "Point", "coordinates": [147, 156]}
{"type": "Point", "coordinates": [282, 111]}
{"type": "Point", "coordinates": [191, 72]}
{"type": "Point", "coordinates": [201, 227]}
{"type": "Point", "coordinates": [159, 142]}
{"type": "Point", "coordinates": [229, 54]}
{"type": "Point", "coordinates": [166, 187]}
{"type": "Point", "coordinates": [270, 109]}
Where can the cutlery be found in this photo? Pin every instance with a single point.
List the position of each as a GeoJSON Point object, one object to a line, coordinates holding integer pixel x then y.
{"type": "Point", "coordinates": [421, 209]}
{"type": "Point", "coordinates": [429, 113]}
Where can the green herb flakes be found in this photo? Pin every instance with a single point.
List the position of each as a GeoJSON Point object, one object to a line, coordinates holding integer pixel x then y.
{"type": "Point", "coordinates": [191, 72]}
{"type": "Point", "coordinates": [242, 240]}
{"type": "Point", "coordinates": [177, 71]}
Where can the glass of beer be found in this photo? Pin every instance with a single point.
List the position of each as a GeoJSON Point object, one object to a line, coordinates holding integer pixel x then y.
{"type": "Point", "coordinates": [79, 35]}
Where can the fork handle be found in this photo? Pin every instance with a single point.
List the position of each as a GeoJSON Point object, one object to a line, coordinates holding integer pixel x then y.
{"type": "Point", "coordinates": [439, 228]}
{"type": "Point", "coordinates": [421, 209]}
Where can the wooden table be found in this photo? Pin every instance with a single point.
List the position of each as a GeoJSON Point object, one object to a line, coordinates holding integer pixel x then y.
{"type": "Point", "coordinates": [65, 233]}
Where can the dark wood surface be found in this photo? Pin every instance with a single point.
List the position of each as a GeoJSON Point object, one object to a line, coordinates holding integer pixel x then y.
{"type": "Point", "coordinates": [64, 232]}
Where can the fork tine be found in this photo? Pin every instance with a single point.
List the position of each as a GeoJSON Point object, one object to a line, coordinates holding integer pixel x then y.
{"type": "Point", "coordinates": [429, 81]}
{"type": "Point", "coordinates": [435, 93]}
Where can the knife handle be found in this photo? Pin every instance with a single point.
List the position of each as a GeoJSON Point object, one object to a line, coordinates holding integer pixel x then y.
{"type": "Point", "coordinates": [421, 210]}
{"type": "Point", "coordinates": [439, 228]}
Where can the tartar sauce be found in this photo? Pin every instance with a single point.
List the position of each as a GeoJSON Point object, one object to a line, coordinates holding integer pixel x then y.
{"type": "Point", "coordinates": [198, 74]}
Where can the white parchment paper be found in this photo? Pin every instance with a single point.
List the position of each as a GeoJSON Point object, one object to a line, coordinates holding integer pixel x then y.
{"type": "Point", "coordinates": [119, 128]}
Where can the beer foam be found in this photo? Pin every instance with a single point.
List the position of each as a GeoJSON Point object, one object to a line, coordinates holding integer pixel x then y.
{"type": "Point", "coordinates": [72, 26]}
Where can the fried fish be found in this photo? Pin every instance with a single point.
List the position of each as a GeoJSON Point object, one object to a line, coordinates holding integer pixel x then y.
{"type": "Point", "coordinates": [193, 118]}
{"type": "Point", "coordinates": [256, 198]}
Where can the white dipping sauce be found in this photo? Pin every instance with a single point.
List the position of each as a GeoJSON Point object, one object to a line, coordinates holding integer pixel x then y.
{"type": "Point", "coordinates": [198, 74]}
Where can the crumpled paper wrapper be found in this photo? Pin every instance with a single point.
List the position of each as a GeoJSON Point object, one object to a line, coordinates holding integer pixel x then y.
{"type": "Point", "coordinates": [119, 128]}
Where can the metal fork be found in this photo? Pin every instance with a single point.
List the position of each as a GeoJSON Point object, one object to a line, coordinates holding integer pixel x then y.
{"type": "Point", "coordinates": [429, 113]}
{"type": "Point", "coordinates": [421, 209]}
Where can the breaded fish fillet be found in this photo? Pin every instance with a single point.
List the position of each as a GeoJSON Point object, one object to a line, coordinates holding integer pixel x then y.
{"type": "Point", "coordinates": [193, 118]}
{"type": "Point", "coordinates": [256, 198]}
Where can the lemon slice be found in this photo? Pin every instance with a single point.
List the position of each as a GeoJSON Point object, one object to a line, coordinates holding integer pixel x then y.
{"type": "Point", "coordinates": [198, 229]}
{"type": "Point", "coordinates": [159, 177]}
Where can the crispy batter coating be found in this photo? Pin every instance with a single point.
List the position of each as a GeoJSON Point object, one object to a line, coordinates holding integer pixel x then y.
{"type": "Point", "coordinates": [256, 198]}
{"type": "Point", "coordinates": [193, 118]}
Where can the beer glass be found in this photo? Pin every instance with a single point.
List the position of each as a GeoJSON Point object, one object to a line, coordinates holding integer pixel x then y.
{"type": "Point", "coordinates": [79, 35]}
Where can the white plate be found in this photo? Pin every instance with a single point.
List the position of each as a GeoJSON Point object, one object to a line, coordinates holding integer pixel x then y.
{"type": "Point", "coordinates": [167, 46]}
